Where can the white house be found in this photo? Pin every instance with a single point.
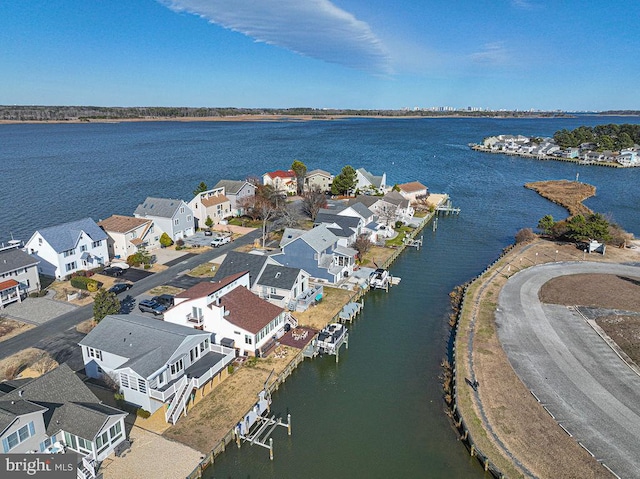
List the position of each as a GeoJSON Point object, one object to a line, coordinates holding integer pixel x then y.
{"type": "Point", "coordinates": [319, 179]}
{"type": "Point", "coordinates": [413, 191]}
{"type": "Point", "coordinates": [238, 193]}
{"type": "Point", "coordinates": [282, 181]}
{"type": "Point", "coordinates": [210, 204]}
{"type": "Point", "coordinates": [366, 181]}
{"type": "Point", "coordinates": [170, 216]}
{"type": "Point", "coordinates": [229, 310]}
{"type": "Point", "coordinates": [18, 274]}
{"type": "Point", "coordinates": [70, 247]}
{"type": "Point", "coordinates": [57, 411]}
{"type": "Point", "coordinates": [154, 362]}
{"type": "Point", "coordinates": [127, 234]}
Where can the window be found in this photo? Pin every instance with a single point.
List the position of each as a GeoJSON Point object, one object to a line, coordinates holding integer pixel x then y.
{"type": "Point", "coordinates": [70, 441]}
{"type": "Point", "coordinates": [70, 266]}
{"type": "Point", "coordinates": [142, 386]}
{"type": "Point", "coordinates": [115, 431]}
{"type": "Point", "coordinates": [182, 210]}
{"type": "Point", "coordinates": [68, 253]}
{"type": "Point", "coordinates": [21, 435]}
{"type": "Point", "coordinates": [96, 244]}
{"type": "Point", "coordinates": [176, 221]}
{"type": "Point", "coordinates": [272, 291]}
{"type": "Point", "coordinates": [124, 380]}
{"type": "Point", "coordinates": [94, 353]}
{"type": "Point", "coordinates": [40, 241]}
{"type": "Point", "coordinates": [102, 442]}
{"type": "Point", "coordinates": [248, 339]}
{"type": "Point", "coordinates": [84, 445]}
{"type": "Point", "coordinates": [188, 218]}
{"type": "Point", "coordinates": [83, 248]}
{"type": "Point", "coordinates": [177, 367]}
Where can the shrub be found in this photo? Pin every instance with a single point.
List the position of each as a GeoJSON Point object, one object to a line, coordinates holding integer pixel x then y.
{"type": "Point", "coordinates": [165, 240]}
{"type": "Point", "coordinates": [147, 266]}
{"type": "Point", "coordinates": [118, 397]}
{"type": "Point", "coordinates": [180, 242]}
{"type": "Point", "coordinates": [82, 282]}
{"type": "Point", "coordinates": [143, 413]}
{"type": "Point", "coordinates": [399, 224]}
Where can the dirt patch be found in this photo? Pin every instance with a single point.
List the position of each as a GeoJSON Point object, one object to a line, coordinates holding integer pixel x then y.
{"type": "Point", "coordinates": [569, 194]}
{"type": "Point", "coordinates": [377, 255]}
{"type": "Point", "coordinates": [203, 270]}
{"type": "Point", "coordinates": [86, 326]}
{"type": "Point", "coordinates": [625, 331]}
{"type": "Point", "coordinates": [165, 289]}
{"type": "Point", "coordinates": [595, 290]}
{"type": "Point", "coordinates": [318, 316]}
{"type": "Point", "coordinates": [10, 328]}
{"type": "Point", "coordinates": [13, 366]}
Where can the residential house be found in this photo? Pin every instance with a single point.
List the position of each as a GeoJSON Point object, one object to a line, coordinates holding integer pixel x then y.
{"type": "Point", "coordinates": [212, 204]}
{"type": "Point", "coordinates": [366, 181]}
{"type": "Point", "coordinates": [413, 191]}
{"type": "Point", "coordinates": [57, 411]}
{"type": "Point", "coordinates": [64, 249]}
{"type": "Point", "coordinates": [284, 182]}
{"type": "Point", "coordinates": [229, 310]}
{"type": "Point", "coordinates": [155, 363]}
{"type": "Point", "coordinates": [404, 211]}
{"type": "Point", "coordinates": [238, 193]}
{"type": "Point", "coordinates": [170, 216]}
{"type": "Point", "coordinates": [128, 234]}
{"type": "Point", "coordinates": [628, 158]}
{"type": "Point", "coordinates": [280, 285]}
{"type": "Point", "coordinates": [371, 226]}
{"type": "Point", "coordinates": [319, 179]}
{"type": "Point", "coordinates": [316, 251]}
{"type": "Point", "coordinates": [18, 274]}
{"type": "Point", "coordinates": [346, 228]}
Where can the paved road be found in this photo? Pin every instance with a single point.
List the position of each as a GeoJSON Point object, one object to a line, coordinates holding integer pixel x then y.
{"type": "Point", "coordinates": [591, 392]}
{"type": "Point", "coordinates": [58, 327]}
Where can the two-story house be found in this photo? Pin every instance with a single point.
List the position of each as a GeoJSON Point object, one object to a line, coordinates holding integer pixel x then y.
{"type": "Point", "coordinates": [282, 181]}
{"type": "Point", "coordinates": [212, 204]}
{"type": "Point", "coordinates": [316, 251]}
{"type": "Point", "coordinates": [69, 247]}
{"type": "Point", "coordinates": [56, 412]}
{"type": "Point", "coordinates": [366, 181]}
{"type": "Point", "coordinates": [280, 285]}
{"type": "Point", "coordinates": [229, 310]}
{"type": "Point", "coordinates": [319, 179]}
{"type": "Point", "coordinates": [155, 363]}
{"type": "Point", "coordinates": [413, 191]}
{"type": "Point", "coordinates": [127, 234]}
{"type": "Point", "coordinates": [238, 192]}
{"type": "Point", "coordinates": [346, 228]}
{"type": "Point", "coordinates": [170, 216]}
{"type": "Point", "coordinates": [18, 274]}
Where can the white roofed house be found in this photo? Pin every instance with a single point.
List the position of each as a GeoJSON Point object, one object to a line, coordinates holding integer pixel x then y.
{"type": "Point", "coordinates": [170, 216]}
{"type": "Point", "coordinates": [155, 363]}
{"type": "Point", "coordinates": [319, 179]}
{"type": "Point", "coordinates": [18, 274]}
{"type": "Point", "coordinates": [237, 192]}
{"type": "Point", "coordinates": [57, 411]}
{"type": "Point", "coordinates": [127, 234]}
{"type": "Point", "coordinates": [212, 204]}
{"type": "Point", "coordinates": [228, 309]}
{"type": "Point", "coordinates": [69, 247]}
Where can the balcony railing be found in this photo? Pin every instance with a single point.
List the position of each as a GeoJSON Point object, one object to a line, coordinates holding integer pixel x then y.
{"type": "Point", "coordinates": [195, 319]}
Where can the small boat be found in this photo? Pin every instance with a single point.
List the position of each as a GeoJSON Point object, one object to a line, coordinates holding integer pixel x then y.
{"type": "Point", "coordinates": [379, 279]}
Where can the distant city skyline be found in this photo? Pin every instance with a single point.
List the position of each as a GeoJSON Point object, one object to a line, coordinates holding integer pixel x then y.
{"type": "Point", "coordinates": [374, 54]}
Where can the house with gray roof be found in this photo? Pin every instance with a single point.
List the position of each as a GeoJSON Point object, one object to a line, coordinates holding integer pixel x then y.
{"type": "Point", "coordinates": [280, 285]}
{"type": "Point", "coordinates": [18, 274]}
{"type": "Point", "coordinates": [346, 228]}
{"type": "Point", "coordinates": [173, 217]}
{"type": "Point", "coordinates": [316, 251]}
{"type": "Point", "coordinates": [238, 193]}
{"type": "Point", "coordinates": [64, 249]}
{"type": "Point", "coordinates": [58, 412]}
{"type": "Point", "coordinates": [155, 363]}
{"type": "Point", "coordinates": [318, 179]}
{"type": "Point", "coordinates": [366, 181]}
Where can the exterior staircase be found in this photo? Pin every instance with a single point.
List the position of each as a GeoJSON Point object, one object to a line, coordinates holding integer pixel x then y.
{"type": "Point", "coordinates": [179, 402]}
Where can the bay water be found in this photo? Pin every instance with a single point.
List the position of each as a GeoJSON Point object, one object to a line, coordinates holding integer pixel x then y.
{"type": "Point", "coordinates": [379, 412]}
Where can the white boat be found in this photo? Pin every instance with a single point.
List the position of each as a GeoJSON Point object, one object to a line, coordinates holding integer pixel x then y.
{"type": "Point", "coordinates": [379, 279]}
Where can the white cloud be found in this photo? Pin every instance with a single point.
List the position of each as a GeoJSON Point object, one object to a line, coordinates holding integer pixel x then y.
{"type": "Point", "coordinates": [491, 54]}
{"type": "Point", "coordinates": [314, 28]}
{"type": "Point", "coordinates": [525, 4]}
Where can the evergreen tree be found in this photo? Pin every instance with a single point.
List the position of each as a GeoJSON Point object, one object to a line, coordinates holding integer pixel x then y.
{"type": "Point", "coordinates": [105, 303]}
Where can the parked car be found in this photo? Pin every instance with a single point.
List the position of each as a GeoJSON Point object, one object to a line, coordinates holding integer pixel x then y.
{"type": "Point", "coordinates": [120, 288]}
{"type": "Point", "coordinates": [220, 240]}
{"type": "Point", "coordinates": [113, 271]}
{"type": "Point", "coordinates": [151, 306]}
{"type": "Point", "coordinates": [208, 233]}
{"type": "Point", "coordinates": [165, 300]}
{"type": "Point", "coordinates": [120, 264]}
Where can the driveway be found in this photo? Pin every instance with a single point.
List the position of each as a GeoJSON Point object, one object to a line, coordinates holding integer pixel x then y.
{"type": "Point", "coordinates": [185, 281]}
{"type": "Point", "coordinates": [586, 386]}
{"type": "Point", "coordinates": [134, 274]}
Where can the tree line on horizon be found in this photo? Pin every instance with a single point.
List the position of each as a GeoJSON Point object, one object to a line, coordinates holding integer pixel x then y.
{"type": "Point", "coordinates": [74, 113]}
{"type": "Point", "coordinates": [606, 137]}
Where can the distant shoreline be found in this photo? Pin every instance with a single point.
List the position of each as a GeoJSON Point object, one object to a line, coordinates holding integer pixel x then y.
{"type": "Point", "coordinates": [256, 118]}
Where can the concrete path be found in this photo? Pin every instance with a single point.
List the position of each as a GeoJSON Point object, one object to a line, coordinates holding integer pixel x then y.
{"type": "Point", "coordinates": [582, 382]}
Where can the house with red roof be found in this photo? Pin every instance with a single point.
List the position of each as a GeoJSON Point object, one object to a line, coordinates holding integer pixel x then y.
{"type": "Point", "coordinates": [228, 309]}
{"type": "Point", "coordinates": [282, 181]}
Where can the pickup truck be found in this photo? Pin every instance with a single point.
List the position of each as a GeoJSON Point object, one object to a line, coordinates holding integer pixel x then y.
{"type": "Point", "coordinates": [220, 240]}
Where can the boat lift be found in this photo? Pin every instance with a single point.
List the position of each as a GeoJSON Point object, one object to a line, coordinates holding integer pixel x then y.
{"type": "Point", "coordinates": [256, 427]}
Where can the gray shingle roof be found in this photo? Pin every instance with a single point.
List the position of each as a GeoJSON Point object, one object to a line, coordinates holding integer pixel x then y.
{"type": "Point", "coordinates": [161, 207]}
{"type": "Point", "coordinates": [71, 405]}
{"type": "Point", "coordinates": [374, 180]}
{"type": "Point", "coordinates": [231, 187]}
{"type": "Point", "coordinates": [236, 262]}
{"type": "Point", "coordinates": [362, 210]}
{"type": "Point", "coordinates": [13, 259]}
{"type": "Point", "coordinates": [276, 276]}
{"type": "Point", "coordinates": [319, 238]}
{"type": "Point", "coordinates": [289, 235]}
{"type": "Point", "coordinates": [10, 410]}
{"type": "Point", "coordinates": [396, 198]}
{"type": "Point", "coordinates": [65, 236]}
{"type": "Point", "coordinates": [147, 343]}
{"type": "Point", "coordinates": [366, 200]}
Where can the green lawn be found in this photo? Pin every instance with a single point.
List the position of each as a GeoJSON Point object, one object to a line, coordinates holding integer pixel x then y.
{"type": "Point", "coordinates": [398, 240]}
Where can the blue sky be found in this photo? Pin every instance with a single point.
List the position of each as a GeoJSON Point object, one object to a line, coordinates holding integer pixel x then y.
{"type": "Point", "coordinates": [511, 54]}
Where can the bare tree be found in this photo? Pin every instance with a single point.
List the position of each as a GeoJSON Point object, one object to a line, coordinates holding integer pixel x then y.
{"type": "Point", "coordinates": [313, 201]}
{"type": "Point", "coordinates": [362, 245]}
{"type": "Point", "coordinates": [388, 213]}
